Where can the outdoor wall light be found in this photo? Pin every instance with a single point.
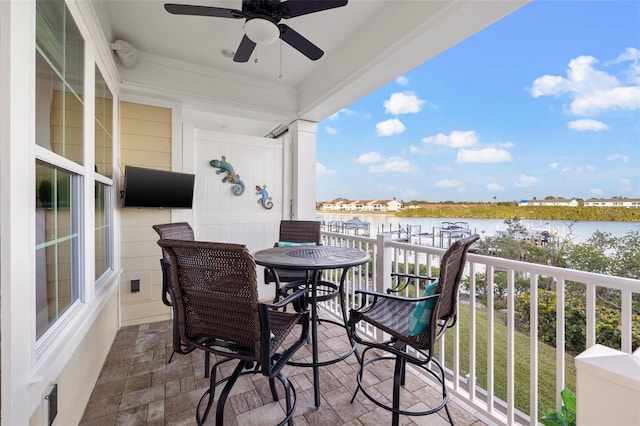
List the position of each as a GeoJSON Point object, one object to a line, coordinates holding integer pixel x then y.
{"type": "Point", "coordinates": [127, 54]}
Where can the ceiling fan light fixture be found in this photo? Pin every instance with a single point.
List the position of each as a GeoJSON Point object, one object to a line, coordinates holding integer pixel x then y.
{"type": "Point", "coordinates": [261, 31]}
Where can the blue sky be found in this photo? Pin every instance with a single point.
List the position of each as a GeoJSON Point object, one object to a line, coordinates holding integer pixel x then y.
{"type": "Point", "coordinates": [545, 102]}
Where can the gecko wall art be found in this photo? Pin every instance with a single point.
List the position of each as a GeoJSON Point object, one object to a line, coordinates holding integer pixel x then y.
{"type": "Point", "coordinates": [264, 199]}
{"type": "Point", "coordinates": [231, 176]}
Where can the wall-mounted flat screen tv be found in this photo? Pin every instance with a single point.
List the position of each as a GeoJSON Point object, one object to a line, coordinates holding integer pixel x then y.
{"type": "Point", "coordinates": [157, 188]}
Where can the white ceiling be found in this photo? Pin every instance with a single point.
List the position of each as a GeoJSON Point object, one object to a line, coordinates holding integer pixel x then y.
{"type": "Point", "coordinates": [367, 43]}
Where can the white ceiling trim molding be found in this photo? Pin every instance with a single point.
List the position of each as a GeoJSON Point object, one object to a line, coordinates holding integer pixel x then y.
{"type": "Point", "coordinates": [193, 85]}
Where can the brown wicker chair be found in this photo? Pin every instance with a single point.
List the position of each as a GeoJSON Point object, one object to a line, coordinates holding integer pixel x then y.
{"type": "Point", "coordinates": [292, 231]}
{"type": "Point", "coordinates": [216, 296]}
{"type": "Point", "coordinates": [391, 314]}
{"type": "Point", "coordinates": [174, 231]}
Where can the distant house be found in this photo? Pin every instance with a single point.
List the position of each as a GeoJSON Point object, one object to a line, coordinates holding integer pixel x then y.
{"type": "Point", "coordinates": [388, 205]}
{"type": "Point", "coordinates": [359, 205]}
{"type": "Point", "coordinates": [613, 202]}
{"type": "Point", "coordinates": [362, 206]}
{"type": "Point", "coordinates": [555, 202]}
{"type": "Point", "coordinates": [335, 205]}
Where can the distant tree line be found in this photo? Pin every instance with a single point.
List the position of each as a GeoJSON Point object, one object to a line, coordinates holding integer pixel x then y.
{"type": "Point", "coordinates": [511, 210]}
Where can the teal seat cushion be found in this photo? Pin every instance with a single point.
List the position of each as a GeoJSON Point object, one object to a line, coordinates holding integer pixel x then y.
{"type": "Point", "coordinates": [421, 316]}
{"type": "Point", "coordinates": [290, 244]}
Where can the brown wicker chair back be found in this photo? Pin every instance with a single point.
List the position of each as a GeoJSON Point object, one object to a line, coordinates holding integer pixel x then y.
{"type": "Point", "coordinates": [452, 266]}
{"type": "Point", "coordinates": [300, 231]}
{"type": "Point", "coordinates": [174, 231]}
{"type": "Point", "coordinates": [216, 292]}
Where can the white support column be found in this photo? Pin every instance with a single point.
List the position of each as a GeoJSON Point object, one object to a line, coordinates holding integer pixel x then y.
{"type": "Point", "coordinates": [303, 188]}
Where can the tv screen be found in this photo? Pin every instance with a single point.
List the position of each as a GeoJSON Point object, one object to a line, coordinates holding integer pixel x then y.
{"type": "Point", "coordinates": [157, 188]}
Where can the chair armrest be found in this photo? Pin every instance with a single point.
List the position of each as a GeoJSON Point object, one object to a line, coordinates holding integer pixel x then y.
{"type": "Point", "coordinates": [409, 279]}
{"type": "Point", "coordinates": [297, 298]}
{"type": "Point", "coordinates": [165, 266]}
{"type": "Point", "coordinates": [270, 338]}
{"type": "Point", "coordinates": [414, 276]}
{"type": "Point", "coordinates": [377, 294]}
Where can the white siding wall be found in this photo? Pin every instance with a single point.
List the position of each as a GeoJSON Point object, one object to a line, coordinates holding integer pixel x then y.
{"type": "Point", "coordinates": [218, 214]}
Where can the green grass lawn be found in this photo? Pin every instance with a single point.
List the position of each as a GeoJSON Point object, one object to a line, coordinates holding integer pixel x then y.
{"type": "Point", "coordinates": [546, 361]}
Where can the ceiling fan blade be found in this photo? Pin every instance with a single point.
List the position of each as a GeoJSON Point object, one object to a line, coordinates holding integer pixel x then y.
{"type": "Point", "coordinates": [293, 8]}
{"type": "Point", "coordinates": [218, 12]}
{"type": "Point", "coordinates": [298, 42]}
{"type": "Point", "coordinates": [244, 50]}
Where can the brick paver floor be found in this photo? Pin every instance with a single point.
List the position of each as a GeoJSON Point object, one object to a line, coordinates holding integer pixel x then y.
{"type": "Point", "coordinates": [137, 387]}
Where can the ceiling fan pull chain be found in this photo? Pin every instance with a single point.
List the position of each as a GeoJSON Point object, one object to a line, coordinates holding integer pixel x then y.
{"type": "Point", "coordinates": [280, 76]}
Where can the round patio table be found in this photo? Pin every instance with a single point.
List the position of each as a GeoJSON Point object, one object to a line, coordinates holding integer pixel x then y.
{"type": "Point", "coordinates": [316, 259]}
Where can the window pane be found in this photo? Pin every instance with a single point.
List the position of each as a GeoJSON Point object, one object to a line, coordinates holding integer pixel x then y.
{"type": "Point", "coordinates": [56, 244]}
{"type": "Point", "coordinates": [50, 17]}
{"type": "Point", "coordinates": [104, 127]}
{"type": "Point", "coordinates": [59, 82]}
{"type": "Point", "coordinates": [49, 114]}
{"type": "Point", "coordinates": [103, 228]}
{"type": "Point", "coordinates": [74, 56]}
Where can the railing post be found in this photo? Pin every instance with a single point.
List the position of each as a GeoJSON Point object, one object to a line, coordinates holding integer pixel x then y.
{"type": "Point", "coordinates": [384, 256]}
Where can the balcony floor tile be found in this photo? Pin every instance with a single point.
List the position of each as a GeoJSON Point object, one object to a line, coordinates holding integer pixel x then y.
{"type": "Point", "coordinates": [138, 387]}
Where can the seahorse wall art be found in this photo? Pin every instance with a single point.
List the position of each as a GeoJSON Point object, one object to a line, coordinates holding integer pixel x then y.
{"type": "Point", "coordinates": [264, 199]}
{"type": "Point", "coordinates": [231, 177]}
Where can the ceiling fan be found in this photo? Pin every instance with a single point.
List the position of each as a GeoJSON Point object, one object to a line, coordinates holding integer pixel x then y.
{"type": "Point", "coordinates": [262, 22]}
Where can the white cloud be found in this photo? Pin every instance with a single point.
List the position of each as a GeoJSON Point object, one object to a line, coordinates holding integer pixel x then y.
{"type": "Point", "coordinates": [630, 54]}
{"type": "Point", "coordinates": [625, 98]}
{"type": "Point", "coordinates": [386, 187]}
{"type": "Point", "coordinates": [455, 139]}
{"type": "Point", "coordinates": [524, 180]}
{"type": "Point", "coordinates": [448, 183]}
{"type": "Point", "coordinates": [402, 81]}
{"type": "Point", "coordinates": [414, 149]}
{"type": "Point", "coordinates": [322, 170]}
{"type": "Point", "coordinates": [485, 155]}
{"type": "Point", "coordinates": [625, 181]}
{"type": "Point", "coordinates": [587, 124]}
{"type": "Point", "coordinates": [596, 191]}
{"type": "Point", "coordinates": [393, 164]}
{"type": "Point", "coordinates": [505, 145]}
{"type": "Point", "coordinates": [495, 187]}
{"type": "Point", "coordinates": [592, 90]}
{"type": "Point", "coordinates": [553, 166]}
{"type": "Point", "coordinates": [343, 111]}
{"type": "Point", "coordinates": [331, 130]}
{"type": "Point", "coordinates": [403, 103]}
{"type": "Point", "coordinates": [618, 157]}
{"type": "Point", "coordinates": [633, 55]}
{"type": "Point", "coordinates": [390, 127]}
{"type": "Point", "coordinates": [369, 157]}
{"type": "Point", "coordinates": [410, 194]}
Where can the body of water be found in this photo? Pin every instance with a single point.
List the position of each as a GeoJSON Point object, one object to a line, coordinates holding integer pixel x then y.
{"type": "Point", "coordinates": [577, 232]}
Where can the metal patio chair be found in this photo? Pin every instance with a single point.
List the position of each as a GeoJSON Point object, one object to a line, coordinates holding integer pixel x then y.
{"type": "Point", "coordinates": [413, 325]}
{"type": "Point", "coordinates": [292, 232]}
{"type": "Point", "coordinates": [216, 298]}
{"type": "Point", "coordinates": [174, 231]}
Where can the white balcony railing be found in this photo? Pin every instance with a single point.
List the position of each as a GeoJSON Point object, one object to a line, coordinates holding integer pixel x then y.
{"type": "Point", "coordinates": [473, 351]}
